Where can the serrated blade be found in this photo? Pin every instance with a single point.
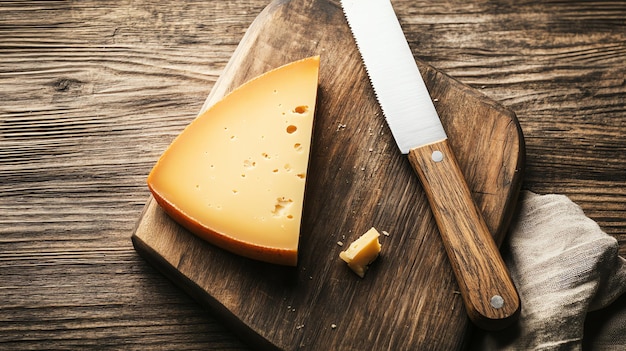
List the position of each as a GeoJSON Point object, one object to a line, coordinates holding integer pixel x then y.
{"type": "Point", "coordinates": [392, 70]}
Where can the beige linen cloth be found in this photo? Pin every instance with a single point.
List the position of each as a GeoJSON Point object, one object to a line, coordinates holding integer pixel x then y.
{"type": "Point", "coordinates": [565, 267]}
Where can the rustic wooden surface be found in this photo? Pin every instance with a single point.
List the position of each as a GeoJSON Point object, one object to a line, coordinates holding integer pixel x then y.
{"type": "Point", "coordinates": [93, 91]}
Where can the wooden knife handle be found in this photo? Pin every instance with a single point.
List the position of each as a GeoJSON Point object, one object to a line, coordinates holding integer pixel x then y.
{"type": "Point", "coordinates": [490, 297]}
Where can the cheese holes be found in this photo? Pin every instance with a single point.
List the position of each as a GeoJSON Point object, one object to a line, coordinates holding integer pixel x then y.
{"type": "Point", "coordinates": [291, 129]}
{"type": "Point", "coordinates": [301, 109]}
{"type": "Point", "coordinates": [214, 206]}
{"type": "Point", "coordinates": [248, 164]}
{"type": "Point", "coordinates": [297, 147]}
{"type": "Point", "coordinates": [281, 207]}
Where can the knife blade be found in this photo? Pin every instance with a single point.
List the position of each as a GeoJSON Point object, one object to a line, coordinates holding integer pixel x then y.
{"type": "Point", "coordinates": [489, 295]}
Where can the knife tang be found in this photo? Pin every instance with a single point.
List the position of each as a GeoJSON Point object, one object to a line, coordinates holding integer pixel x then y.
{"type": "Point", "coordinates": [490, 298]}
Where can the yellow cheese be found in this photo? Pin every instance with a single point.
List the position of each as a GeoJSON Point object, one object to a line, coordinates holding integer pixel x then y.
{"type": "Point", "coordinates": [236, 175]}
{"type": "Point", "coordinates": [362, 252]}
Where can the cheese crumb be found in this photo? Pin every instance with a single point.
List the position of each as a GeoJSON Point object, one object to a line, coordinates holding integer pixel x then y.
{"type": "Point", "coordinates": [362, 252]}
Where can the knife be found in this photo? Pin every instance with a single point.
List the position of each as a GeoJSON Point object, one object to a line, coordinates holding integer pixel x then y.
{"type": "Point", "coordinates": [490, 297]}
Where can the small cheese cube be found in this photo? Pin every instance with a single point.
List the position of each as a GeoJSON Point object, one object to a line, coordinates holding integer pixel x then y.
{"type": "Point", "coordinates": [362, 252]}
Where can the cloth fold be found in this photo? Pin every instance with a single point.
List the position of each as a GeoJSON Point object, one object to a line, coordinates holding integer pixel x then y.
{"type": "Point", "coordinates": [564, 266]}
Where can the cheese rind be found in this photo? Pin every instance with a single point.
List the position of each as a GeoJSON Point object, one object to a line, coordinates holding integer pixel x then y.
{"type": "Point", "coordinates": [362, 252]}
{"type": "Point", "coordinates": [236, 175]}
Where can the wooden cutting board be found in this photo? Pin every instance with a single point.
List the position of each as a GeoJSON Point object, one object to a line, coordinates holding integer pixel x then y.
{"type": "Point", "coordinates": [357, 179]}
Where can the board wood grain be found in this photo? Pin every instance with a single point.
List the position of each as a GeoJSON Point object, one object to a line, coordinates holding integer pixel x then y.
{"type": "Point", "coordinates": [357, 179]}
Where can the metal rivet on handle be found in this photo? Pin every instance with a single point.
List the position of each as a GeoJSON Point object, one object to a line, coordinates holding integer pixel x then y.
{"type": "Point", "coordinates": [437, 156]}
{"type": "Point", "coordinates": [497, 301]}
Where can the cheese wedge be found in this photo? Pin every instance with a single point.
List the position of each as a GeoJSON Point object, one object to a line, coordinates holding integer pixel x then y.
{"type": "Point", "coordinates": [362, 252]}
{"type": "Point", "coordinates": [236, 175]}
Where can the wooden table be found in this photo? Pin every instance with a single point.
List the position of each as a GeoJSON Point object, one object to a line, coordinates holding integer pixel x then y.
{"type": "Point", "coordinates": [92, 92]}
